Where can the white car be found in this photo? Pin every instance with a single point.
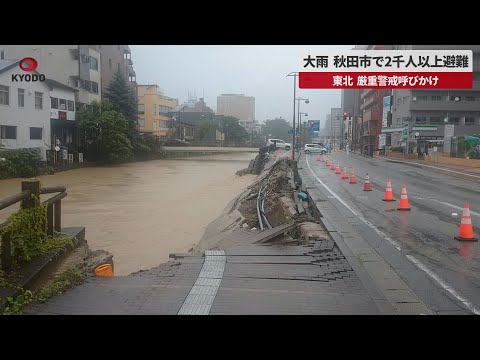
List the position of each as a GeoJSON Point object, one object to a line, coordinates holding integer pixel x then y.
{"type": "Point", "coordinates": [280, 143]}
{"type": "Point", "coordinates": [314, 148]}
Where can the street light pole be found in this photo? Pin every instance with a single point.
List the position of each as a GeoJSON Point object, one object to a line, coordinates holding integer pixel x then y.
{"type": "Point", "coordinates": [294, 74]}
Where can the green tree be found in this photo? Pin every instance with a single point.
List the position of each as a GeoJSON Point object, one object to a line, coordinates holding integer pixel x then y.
{"type": "Point", "coordinates": [233, 131]}
{"type": "Point", "coordinates": [123, 97]}
{"type": "Point", "coordinates": [206, 131]}
{"type": "Point", "coordinates": [278, 129]}
{"type": "Point", "coordinates": [104, 133]}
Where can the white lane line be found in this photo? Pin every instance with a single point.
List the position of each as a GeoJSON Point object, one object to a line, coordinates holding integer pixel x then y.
{"type": "Point", "coordinates": [455, 207]}
{"type": "Point", "coordinates": [440, 168]}
{"type": "Point", "coordinates": [444, 285]}
{"type": "Point", "coordinates": [365, 221]}
{"type": "Point", "coordinates": [421, 266]}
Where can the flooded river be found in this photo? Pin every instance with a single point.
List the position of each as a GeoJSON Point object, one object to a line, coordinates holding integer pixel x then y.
{"type": "Point", "coordinates": [141, 212]}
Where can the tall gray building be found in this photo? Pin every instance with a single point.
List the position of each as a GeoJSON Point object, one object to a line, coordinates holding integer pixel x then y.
{"type": "Point", "coordinates": [428, 111]}
{"type": "Point", "coordinates": [331, 132]}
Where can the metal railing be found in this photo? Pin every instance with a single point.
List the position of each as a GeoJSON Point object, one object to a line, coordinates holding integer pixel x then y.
{"type": "Point", "coordinates": [54, 212]}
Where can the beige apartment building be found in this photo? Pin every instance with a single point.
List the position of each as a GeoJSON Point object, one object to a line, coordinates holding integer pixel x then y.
{"type": "Point", "coordinates": [114, 58]}
{"type": "Point", "coordinates": [153, 109]}
{"type": "Point", "coordinates": [240, 106]}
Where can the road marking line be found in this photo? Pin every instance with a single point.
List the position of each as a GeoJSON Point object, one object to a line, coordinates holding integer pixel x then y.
{"type": "Point", "coordinates": [444, 285]}
{"type": "Point", "coordinates": [368, 223]}
{"type": "Point", "coordinates": [455, 206]}
{"type": "Point", "coordinates": [420, 265]}
{"type": "Point", "coordinates": [440, 168]}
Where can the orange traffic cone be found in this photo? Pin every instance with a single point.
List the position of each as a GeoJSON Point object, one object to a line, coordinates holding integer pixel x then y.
{"type": "Point", "coordinates": [318, 157]}
{"type": "Point", "coordinates": [337, 170]}
{"type": "Point", "coordinates": [332, 166]}
{"type": "Point", "coordinates": [465, 232]}
{"type": "Point", "coordinates": [352, 178]}
{"type": "Point", "coordinates": [327, 163]}
{"type": "Point", "coordinates": [388, 192]}
{"type": "Point", "coordinates": [323, 158]}
{"type": "Point", "coordinates": [404, 200]}
{"type": "Point", "coordinates": [344, 175]}
{"type": "Point", "coordinates": [367, 186]}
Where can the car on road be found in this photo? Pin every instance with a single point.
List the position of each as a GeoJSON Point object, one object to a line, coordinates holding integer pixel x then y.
{"type": "Point", "coordinates": [314, 148]}
{"type": "Point", "coordinates": [175, 142]}
{"type": "Point", "coordinates": [280, 143]}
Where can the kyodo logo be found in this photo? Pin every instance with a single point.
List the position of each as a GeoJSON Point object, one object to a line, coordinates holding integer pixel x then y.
{"type": "Point", "coordinates": [28, 65]}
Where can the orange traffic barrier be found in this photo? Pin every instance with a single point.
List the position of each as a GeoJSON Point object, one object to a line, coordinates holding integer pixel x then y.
{"type": "Point", "coordinates": [332, 166]}
{"type": "Point", "coordinates": [337, 170]}
{"type": "Point", "coordinates": [367, 186]}
{"type": "Point", "coordinates": [318, 157]}
{"type": "Point", "coordinates": [344, 175]}
{"type": "Point", "coordinates": [465, 233]}
{"type": "Point", "coordinates": [104, 270]}
{"type": "Point", "coordinates": [404, 200]}
{"type": "Point", "coordinates": [388, 192]}
{"type": "Point", "coordinates": [353, 180]}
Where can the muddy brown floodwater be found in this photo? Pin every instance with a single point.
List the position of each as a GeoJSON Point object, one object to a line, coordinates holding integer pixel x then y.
{"type": "Point", "coordinates": [143, 211]}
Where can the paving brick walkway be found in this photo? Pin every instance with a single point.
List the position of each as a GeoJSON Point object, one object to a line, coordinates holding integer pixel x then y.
{"type": "Point", "coordinates": [257, 279]}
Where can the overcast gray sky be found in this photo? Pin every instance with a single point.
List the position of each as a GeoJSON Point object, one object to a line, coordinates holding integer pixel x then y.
{"type": "Point", "coordinates": [253, 70]}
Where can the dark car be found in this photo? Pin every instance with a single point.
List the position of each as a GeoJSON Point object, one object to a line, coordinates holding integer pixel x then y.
{"type": "Point", "coordinates": [175, 142]}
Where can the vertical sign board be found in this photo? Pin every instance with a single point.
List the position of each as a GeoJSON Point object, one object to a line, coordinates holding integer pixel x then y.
{"type": "Point", "coordinates": [387, 105]}
{"type": "Point", "coordinates": [448, 134]}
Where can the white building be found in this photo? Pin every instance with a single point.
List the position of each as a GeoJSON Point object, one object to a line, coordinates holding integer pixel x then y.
{"type": "Point", "coordinates": [77, 66]}
{"type": "Point", "coordinates": [64, 132]}
{"type": "Point", "coordinates": [24, 110]}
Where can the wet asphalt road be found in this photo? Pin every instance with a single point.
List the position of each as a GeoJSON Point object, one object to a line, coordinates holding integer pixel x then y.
{"type": "Point", "coordinates": [419, 244]}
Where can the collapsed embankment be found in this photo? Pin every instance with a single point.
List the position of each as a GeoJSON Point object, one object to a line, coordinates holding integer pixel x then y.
{"type": "Point", "coordinates": [271, 203]}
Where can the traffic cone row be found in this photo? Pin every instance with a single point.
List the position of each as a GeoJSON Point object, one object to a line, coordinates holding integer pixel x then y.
{"type": "Point", "coordinates": [465, 232]}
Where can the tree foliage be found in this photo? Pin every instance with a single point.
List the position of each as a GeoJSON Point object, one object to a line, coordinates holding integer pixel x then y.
{"type": "Point", "coordinates": [278, 129]}
{"type": "Point", "coordinates": [104, 133]}
{"type": "Point", "coordinates": [206, 131]}
{"type": "Point", "coordinates": [232, 129]}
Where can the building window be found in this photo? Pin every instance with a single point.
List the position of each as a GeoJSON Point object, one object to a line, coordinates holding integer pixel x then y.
{"type": "Point", "coordinates": [21, 98]}
{"type": "Point", "coordinates": [2, 54]}
{"type": "Point", "coordinates": [405, 100]}
{"type": "Point", "coordinates": [93, 63]}
{"type": "Point", "coordinates": [94, 87]}
{"type": "Point", "coordinates": [110, 64]}
{"type": "Point", "coordinates": [154, 109]}
{"type": "Point", "coordinates": [422, 97]}
{"type": "Point", "coordinates": [436, 98]}
{"type": "Point", "coordinates": [454, 120]}
{"type": "Point", "coordinates": [141, 122]}
{"type": "Point", "coordinates": [469, 98]}
{"type": "Point", "coordinates": [141, 108]}
{"type": "Point", "coordinates": [63, 104]}
{"type": "Point", "coordinates": [86, 84]}
{"type": "Point", "coordinates": [420, 120]}
{"type": "Point", "coordinates": [164, 124]}
{"type": "Point", "coordinates": [35, 133]}
{"type": "Point", "coordinates": [399, 101]}
{"type": "Point", "coordinates": [4, 95]}
{"type": "Point", "coordinates": [54, 103]}
{"type": "Point", "coordinates": [435, 120]}
{"type": "Point", "coordinates": [8, 132]}
{"type": "Point", "coordinates": [165, 109]}
{"type": "Point", "coordinates": [70, 105]}
{"type": "Point", "coordinates": [469, 121]}
{"type": "Point", "coordinates": [38, 100]}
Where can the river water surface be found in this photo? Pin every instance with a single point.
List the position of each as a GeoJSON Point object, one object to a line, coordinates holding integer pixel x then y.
{"type": "Point", "coordinates": [143, 211]}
